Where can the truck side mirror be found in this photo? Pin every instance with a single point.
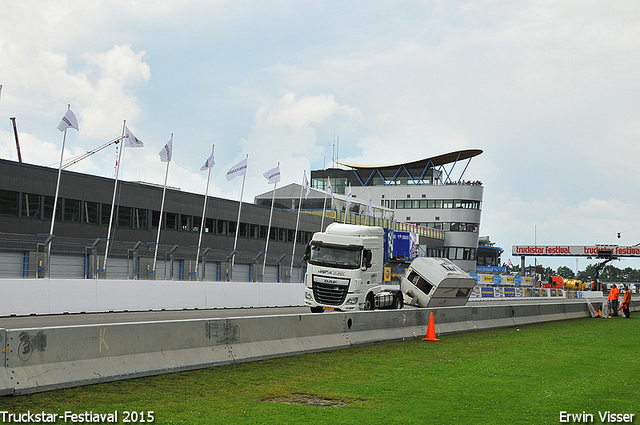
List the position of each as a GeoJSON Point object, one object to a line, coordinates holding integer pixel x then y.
{"type": "Point", "coordinates": [307, 253]}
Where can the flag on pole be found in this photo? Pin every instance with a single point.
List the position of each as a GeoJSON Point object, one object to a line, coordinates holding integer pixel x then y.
{"type": "Point", "coordinates": [240, 169]}
{"type": "Point", "coordinates": [305, 185]}
{"type": "Point", "coordinates": [370, 205]}
{"type": "Point", "coordinates": [209, 162]}
{"type": "Point", "coordinates": [273, 175]}
{"type": "Point", "coordinates": [68, 121]}
{"type": "Point", "coordinates": [165, 153]}
{"type": "Point", "coordinates": [130, 140]}
{"type": "Point", "coordinates": [349, 195]}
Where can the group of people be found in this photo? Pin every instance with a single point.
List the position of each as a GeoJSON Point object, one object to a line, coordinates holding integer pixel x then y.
{"type": "Point", "coordinates": [612, 300]}
{"type": "Point", "coordinates": [469, 182]}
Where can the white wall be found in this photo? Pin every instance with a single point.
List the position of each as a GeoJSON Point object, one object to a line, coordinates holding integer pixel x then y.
{"type": "Point", "coordinates": [57, 296]}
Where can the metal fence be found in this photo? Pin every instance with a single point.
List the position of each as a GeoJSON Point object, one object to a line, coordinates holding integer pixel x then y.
{"type": "Point", "coordinates": [28, 256]}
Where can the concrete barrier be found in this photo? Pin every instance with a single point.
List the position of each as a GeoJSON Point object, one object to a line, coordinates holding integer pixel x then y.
{"type": "Point", "coordinates": [44, 359]}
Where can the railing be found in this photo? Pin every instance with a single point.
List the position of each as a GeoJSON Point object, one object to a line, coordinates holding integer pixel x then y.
{"type": "Point", "coordinates": [25, 256]}
{"type": "Point", "coordinates": [367, 220]}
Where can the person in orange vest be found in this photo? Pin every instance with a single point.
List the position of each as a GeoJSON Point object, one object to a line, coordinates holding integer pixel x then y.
{"type": "Point", "coordinates": [614, 294]}
{"type": "Point", "coordinates": [626, 302]}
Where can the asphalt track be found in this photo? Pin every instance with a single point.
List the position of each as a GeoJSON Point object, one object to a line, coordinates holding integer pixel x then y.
{"type": "Point", "coordinates": [46, 321]}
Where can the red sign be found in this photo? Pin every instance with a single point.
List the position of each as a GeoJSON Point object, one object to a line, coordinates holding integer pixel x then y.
{"type": "Point", "coordinates": [576, 251]}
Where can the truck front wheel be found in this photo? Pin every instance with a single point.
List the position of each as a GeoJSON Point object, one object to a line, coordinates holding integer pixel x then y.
{"type": "Point", "coordinates": [368, 302]}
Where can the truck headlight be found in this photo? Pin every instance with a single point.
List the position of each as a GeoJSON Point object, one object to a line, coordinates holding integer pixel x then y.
{"type": "Point", "coordinates": [307, 296]}
{"type": "Point", "coordinates": [352, 301]}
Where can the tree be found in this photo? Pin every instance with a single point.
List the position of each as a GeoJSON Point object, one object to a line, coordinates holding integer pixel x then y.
{"type": "Point", "coordinates": [587, 274]}
{"type": "Point", "coordinates": [513, 269]}
{"type": "Point", "coordinates": [610, 273]}
{"type": "Point", "coordinates": [547, 272]}
{"type": "Point", "coordinates": [565, 272]}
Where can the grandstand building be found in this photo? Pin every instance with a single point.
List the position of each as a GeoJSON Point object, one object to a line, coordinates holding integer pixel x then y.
{"type": "Point", "coordinates": [82, 217]}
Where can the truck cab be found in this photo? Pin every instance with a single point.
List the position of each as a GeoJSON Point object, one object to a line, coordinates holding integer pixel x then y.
{"type": "Point", "coordinates": [344, 268]}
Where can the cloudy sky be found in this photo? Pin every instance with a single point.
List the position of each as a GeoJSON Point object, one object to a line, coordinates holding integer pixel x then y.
{"type": "Point", "coordinates": [549, 90]}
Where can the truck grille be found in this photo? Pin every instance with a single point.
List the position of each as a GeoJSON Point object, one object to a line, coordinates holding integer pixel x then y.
{"type": "Point", "coordinates": [330, 291]}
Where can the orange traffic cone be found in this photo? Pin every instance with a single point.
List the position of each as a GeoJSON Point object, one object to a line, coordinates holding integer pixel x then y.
{"type": "Point", "coordinates": [431, 330]}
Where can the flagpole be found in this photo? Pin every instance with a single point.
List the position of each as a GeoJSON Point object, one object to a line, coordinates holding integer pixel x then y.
{"type": "Point", "coordinates": [235, 240]}
{"type": "Point", "coordinates": [113, 201]}
{"type": "Point", "coordinates": [55, 203]}
{"type": "Point", "coordinates": [370, 205]}
{"type": "Point", "coordinates": [344, 219]}
{"type": "Point", "coordinates": [266, 248]}
{"type": "Point", "coordinates": [204, 210]}
{"type": "Point", "coordinates": [346, 208]}
{"type": "Point", "coordinates": [164, 191]}
{"type": "Point", "coordinates": [324, 209]}
{"type": "Point", "coordinates": [295, 235]}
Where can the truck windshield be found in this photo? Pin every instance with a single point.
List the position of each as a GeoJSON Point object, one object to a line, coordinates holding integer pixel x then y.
{"type": "Point", "coordinates": [333, 256]}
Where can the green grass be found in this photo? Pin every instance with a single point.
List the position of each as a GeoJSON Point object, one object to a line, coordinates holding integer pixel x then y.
{"type": "Point", "coordinates": [499, 376]}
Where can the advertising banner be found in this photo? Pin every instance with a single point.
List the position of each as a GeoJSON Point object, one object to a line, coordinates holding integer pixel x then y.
{"type": "Point", "coordinates": [576, 251]}
{"type": "Point", "coordinates": [487, 292]}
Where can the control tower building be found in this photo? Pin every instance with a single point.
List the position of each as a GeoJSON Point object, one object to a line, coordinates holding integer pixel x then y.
{"type": "Point", "coordinates": [431, 192]}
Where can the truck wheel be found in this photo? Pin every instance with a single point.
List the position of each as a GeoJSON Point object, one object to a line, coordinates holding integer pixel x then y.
{"type": "Point", "coordinates": [317, 309]}
{"type": "Point", "coordinates": [368, 302]}
{"type": "Point", "coordinates": [398, 302]}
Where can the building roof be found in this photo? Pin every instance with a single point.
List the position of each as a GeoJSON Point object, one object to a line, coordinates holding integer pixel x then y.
{"type": "Point", "coordinates": [292, 191]}
{"type": "Point", "coordinates": [418, 166]}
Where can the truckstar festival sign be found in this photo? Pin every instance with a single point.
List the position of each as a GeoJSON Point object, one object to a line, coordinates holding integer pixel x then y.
{"type": "Point", "coordinates": [602, 251]}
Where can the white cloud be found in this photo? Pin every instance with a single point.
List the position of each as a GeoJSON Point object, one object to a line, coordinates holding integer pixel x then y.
{"type": "Point", "coordinates": [286, 131]}
{"type": "Point", "coordinates": [307, 111]}
{"type": "Point", "coordinates": [55, 53]}
{"type": "Point", "coordinates": [40, 85]}
{"type": "Point", "coordinates": [108, 100]}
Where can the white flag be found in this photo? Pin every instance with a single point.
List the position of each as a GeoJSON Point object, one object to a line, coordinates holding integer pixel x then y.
{"type": "Point", "coordinates": [209, 162]}
{"type": "Point", "coordinates": [330, 190]}
{"type": "Point", "coordinates": [130, 140]}
{"type": "Point", "coordinates": [273, 175]}
{"type": "Point", "coordinates": [349, 195]}
{"type": "Point", "coordinates": [240, 169]}
{"type": "Point", "coordinates": [370, 205]}
{"type": "Point", "coordinates": [305, 185]}
{"type": "Point", "coordinates": [165, 153]}
{"type": "Point", "coordinates": [69, 120]}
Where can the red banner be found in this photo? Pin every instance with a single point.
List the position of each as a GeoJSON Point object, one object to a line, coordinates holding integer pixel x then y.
{"type": "Point", "coordinates": [576, 251]}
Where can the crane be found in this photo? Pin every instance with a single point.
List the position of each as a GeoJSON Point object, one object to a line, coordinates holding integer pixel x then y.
{"type": "Point", "coordinates": [87, 154]}
{"type": "Point", "coordinates": [597, 269]}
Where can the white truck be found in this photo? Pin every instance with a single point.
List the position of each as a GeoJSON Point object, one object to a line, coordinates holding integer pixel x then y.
{"type": "Point", "coordinates": [345, 271]}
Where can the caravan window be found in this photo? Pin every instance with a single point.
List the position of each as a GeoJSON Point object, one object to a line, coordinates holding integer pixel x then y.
{"type": "Point", "coordinates": [420, 282]}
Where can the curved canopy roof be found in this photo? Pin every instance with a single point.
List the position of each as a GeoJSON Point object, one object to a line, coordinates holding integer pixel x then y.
{"type": "Point", "coordinates": [421, 164]}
